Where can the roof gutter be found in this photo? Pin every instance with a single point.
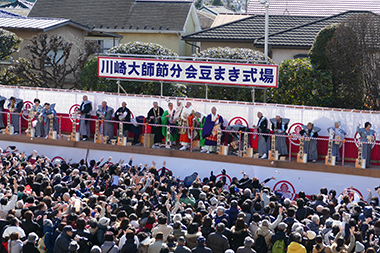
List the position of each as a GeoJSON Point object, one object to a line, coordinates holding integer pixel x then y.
{"type": "Point", "coordinates": [137, 31]}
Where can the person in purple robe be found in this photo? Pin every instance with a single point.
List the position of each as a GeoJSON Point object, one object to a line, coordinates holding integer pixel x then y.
{"type": "Point", "coordinates": [213, 122]}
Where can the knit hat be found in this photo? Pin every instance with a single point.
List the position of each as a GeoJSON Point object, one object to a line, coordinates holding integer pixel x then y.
{"type": "Point", "coordinates": [74, 246]}
{"type": "Point", "coordinates": [359, 247]}
{"type": "Point", "coordinates": [282, 226]}
{"type": "Point", "coordinates": [248, 241]}
{"type": "Point", "coordinates": [181, 239]}
{"type": "Point", "coordinates": [311, 235]}
{"type": "Point", "coordinates": [32, 237]}
{"type": "Point", "coordinates": [104, 221]}
{"type": "Point", "coordinates": [201, 240]}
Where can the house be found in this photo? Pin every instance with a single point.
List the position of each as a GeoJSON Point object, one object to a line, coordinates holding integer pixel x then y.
{"type": "Point", "coordinates": [20, 7]}
{"type": "Point", "coordinates": [208, 14]}
{"type": "Point", "coordinates": [289, 36]}
{"type": "Point", "coordinates": [313, 7]}
{"type": "Point", "coordinates": [159, 21]}
{"type": "Point", "coordinates": [27, 28]}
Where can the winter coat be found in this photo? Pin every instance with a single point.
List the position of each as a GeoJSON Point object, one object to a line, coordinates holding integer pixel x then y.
{"type": "Point", "coordinates": [30, 248]}
{"type": "Point", "coordinates": [178, 232]}
{"type": "Point", "coordinates": [109, 247]}
{"type": "Point", "coordinates": [182, 249]}
{"type": "Point", "coordinates": [327, 249]}
{"type": "Point", "coordinates": [129, 246]}
{"type": "Point", "coordinates": [191, 239]}
{"type": "Point", "coordinates": [201, 249]}
{"type": "Point", "coordinates": [233, 214]}
{"type": "Point", "coordinates": [100, 234]}
{"type": "Point", "coordinates": [280, 235]}
{"type": "Point", "coordinates": [206, 231]}
{"type": "Point", "coordinates": [314, 227]}
{"type": "Point", "coordinates": [85, 245]}
{"type": "Point", "coordinates": [62, 243]}
{"type": "Point", "coordinates": [295, 247]}
{"type": "Point", "coordinates": [31, 226]}
{"type": "Point", "coordinates": [267, 233]}
{"type": "Point", "coordinates": [244, 249]}
{"type": "Point", "coordinates": [4, 209]}
{"type": "Point", "coordinates": [217, 242]}
{"type": "Point", "coordinates": [15, 246]}
{"type": "Point", "coordinates": [165, 229]}
{"type": "Point", "coordinates": [238, 237]}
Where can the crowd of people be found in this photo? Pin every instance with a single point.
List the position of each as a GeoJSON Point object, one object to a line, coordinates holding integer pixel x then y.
{"type": "Point", "coordinates": [172, 126]}
{"type": "Point", "coordinates": [108, 206]}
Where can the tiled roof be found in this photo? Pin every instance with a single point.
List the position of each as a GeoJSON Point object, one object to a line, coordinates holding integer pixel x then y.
{"type": "Point", "coordinates": [7, 14]}
{"type": "Point", "coordinates": [16, 5]}
{"type": "Point", "coordinates": [304, 35]}
{"type": "Point", "coordinates": [119, 14]}
{"type": "Point", "coordinates": [42, 24]}
{"type": "Point", "coordinates": [313, 7]}
{"type": "Point", "coordinates": [249, 29]}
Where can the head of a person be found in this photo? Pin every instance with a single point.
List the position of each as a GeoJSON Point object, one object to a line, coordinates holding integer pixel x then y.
{"type": "Point", "coordinates": [37, 101]}
{"type": "Point", "coordinates": [220, 227]}
{"type": "Point", "coordinates": [68, 230]}
{"type": "Point", "coordinates": [104, 104]}
{"type": "Point", "coordinates": [201, 241]}
{"type": "Point", "coordinates": [315, 218]}
{"type": "Point", "coordinates": [213, 110]}
{"type": "Point", "coordinates": [188, 104]}
{"type": "Point", "coordinates": [240, 224]}
{"type": "Point", "coordinates": [159, 236]}
{"type": "Point", "coordinates": [85, 98]}
{"type": "Point", "coordinates": [278, 118]}
{"type": "Point", "coordinates": [337, 124]}
{"type": "Point", "coordinates": [162, 220]}
{"type": "Point", "coordinates": [108, 236]}
{"type": "Point", "coordinates": [32, 237]}
{"type": "Point", "coordinates": [155, 104]}
{"type": "Point", "coordinates": [170, 105]}
{"type": "Point", "coordinates": [124, 104]}
{"type": "Point", "coordinates": [96, 249]}
{"type": "Point", "coordinates": [28, 215]}
{"type": "Point", "coordinates": [367, 125]}
{"type": "Point", "coordinates": [14, 236]}
{"type": "Point", "coordinates": [310, 125]}
{"type": "Point", "coordinates": [220, 210]}
{"type": "Point", "coordinates": [129, 234]}
{"type": "Point", "coordinates": [181, 240]}
{"type": "Point", "coordinates": [248, 242]}
{"type": "Point", "coordinates": [12, 99]}
{"type": "Point", "coordinates": [295, 237]}
{"type": "Point", "coordinates": [259, 114]}
{"type": "Point", "coordinates": [47, 106]}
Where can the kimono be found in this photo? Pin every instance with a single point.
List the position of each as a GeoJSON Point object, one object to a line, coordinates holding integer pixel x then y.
{"type": "Point", "coordinates": [197, 134]}
{"type": "Point", "coordinates": [38, 123]}
{"type": "Point", "coordinates": [310, 147]}
{"type": "Point", "coordinates": [264, 140]}
{"type": "Point", "coordinates": [2, 102]}
{"type": "Point", "coordinates": [169, 122]}
{"type": "Point", "coordinates": [209, 134]}
{"type": "Point", "coordinates": [367, 148]}
{"type": "Point", "coordinates": [123, 115]}
{"type": "Point", "coordinates": [106, 114]}
{"type": "Point", "coordinates": [279, 128]}
{"type": "Point", "coordinates": [333, 134]}
{"type": "Point", "coordinates": [47, 118]}
{"type": "Point", "coordinates": [85, 113]}
{"type": "Point", "coordinates": [156, 113]}
{"type": "Point", "coordinates": [16, 108]}
{"type": "Point", "coordinates": [186, 119]}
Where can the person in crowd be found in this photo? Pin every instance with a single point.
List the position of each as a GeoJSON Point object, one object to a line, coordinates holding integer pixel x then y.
{"type": "Point", "coordinates": [85, 113]}
{"type": "Point", "coordinates": [310, 148]}
{"type": "Point", "coordinates": [336, 133]}
{"type": "Point", "coordinates": [366, 135]}
{"type": "Point", "coordinates": [109, 245]}
{"type": "Point", "coordinates": [15, 107]}
{"type": "Point", "coordinates": [247, 247]}
{"type": "Point", "coordinates": [2, 102]}
{"type": "Point", "coordinates": [130, 245]}
{"type": "Point", "coordinates": [218, 242]}
{"type": "Point", "coordinates": [154, 117]}
{"type": "Point", "coordinates": [192, 234]}
{"type": "Point", "coordinates": [30, 245]}
{"type": "Point", "coordinates": [123, 114]}
{"type": "Point", "coordinates": [38, 122]}
{"type": "Point", "coordinates": [14, 227]}
{"type": "Point", "coordinates": [239, 233]}
{"type": "Point", "coordinates": [105, 112]}
{"type": "Point", "coordinates": [201, 246]}
{"type": "Point", "coordinates": [50, 119]}
{"type": "Point", "coordinates": [295, 245]}
{"type": "Point", "coordinates": [213, 123]}
{"type": "Point", "coordinates": [279, 126]}
{"type": "Point", "coordinates": [181, 247]}
{"type": "Point", "coordinates": [320, 246]}
{"type": "Point", "coordinates": [186, 120]}
{"type": "Point", "coordinates": [162, 227]}
{"type": "Point", "coordinates": [14, 243]}
{"type": "Point", "coordinates": [158, 244]}
{"type": "Point", "coordinates": [264, 140]}
{"type": "Point", "coordinates": [168, 119]}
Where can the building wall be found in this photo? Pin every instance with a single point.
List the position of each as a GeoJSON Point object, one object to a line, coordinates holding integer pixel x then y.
{"type": "Point", "coordinates": [105, 42]}
{"type": "Point", "coordinates": [280, 55]}
{"type": "Point", "coordinates": [192, 26]}
{"type": "Point", "coordinates": [168, 40]}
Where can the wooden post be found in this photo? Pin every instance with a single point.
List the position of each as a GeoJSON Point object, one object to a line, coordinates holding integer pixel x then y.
{"type": "Point", "coordinates": [330, 159]}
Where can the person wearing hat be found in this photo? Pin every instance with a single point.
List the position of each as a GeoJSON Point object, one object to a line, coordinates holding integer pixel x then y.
{"type": "Point", "coordinates": [280, 235]}
{"type": "Point", "coordinates": [73, 247]}
{"type": "Point", "coordinates": [102, 229]}
{"type": "Point", "coordinates": [201, 246]}
{"type": "Point", "coordinates": [247, 248]}
{"type": "Point", "coordinates": [63, 240]}
{"type": "Point", "coordinates": [359, 248]}
{"type": "Point", "coordinates": [181, 248]}
{"type": "Point", "coordinates": [49, 229]}
{"type": "Point", "coordinates": [321, 247]}
{"type": "Point", "coordinates": [30, 245]}
{"type": "Point", "coordinates": [217, 241]}
{"type": "Point", "coordinates": [109, 246]}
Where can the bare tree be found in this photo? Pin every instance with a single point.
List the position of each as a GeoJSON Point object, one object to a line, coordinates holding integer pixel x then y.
{"type": "Point", "coordinates": [53, 62]}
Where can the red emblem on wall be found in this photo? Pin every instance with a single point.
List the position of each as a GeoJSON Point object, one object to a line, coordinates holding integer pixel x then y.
{"type": "Point", "coordinates": [238, 121]}
{"type": "Point", "coordinates": [286, 189]}
{"type": "Point", "coordinates": [25, 109]}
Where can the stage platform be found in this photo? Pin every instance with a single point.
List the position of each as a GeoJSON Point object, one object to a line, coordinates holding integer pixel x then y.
{"type": "Point", "coordinates": [291, 177]}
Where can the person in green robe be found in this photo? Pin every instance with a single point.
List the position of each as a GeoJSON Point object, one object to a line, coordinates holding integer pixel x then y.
{"type": "Point", "coordinates": [168, 118]}
{"type": "Point", "coordinates": [198, 122]}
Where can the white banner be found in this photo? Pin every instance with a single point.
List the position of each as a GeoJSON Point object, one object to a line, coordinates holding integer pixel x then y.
{"type": "Point", "coordinates": [217, 73]}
